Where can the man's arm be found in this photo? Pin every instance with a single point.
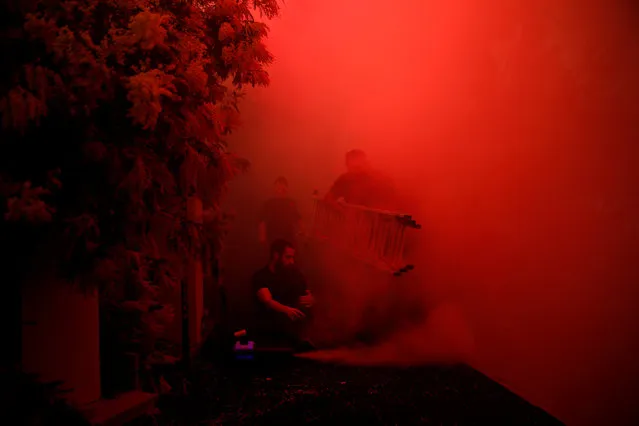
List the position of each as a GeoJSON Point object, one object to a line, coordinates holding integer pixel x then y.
{"type": "Point", "coordinates": [264, 295]}
{"type": "Point", "coordinates": [337, 191]}
{"type": "Point", "coordinates": [330, 196]}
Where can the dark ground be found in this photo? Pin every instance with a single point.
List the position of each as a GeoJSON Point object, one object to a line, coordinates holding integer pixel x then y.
{"type": "Point", "coordinates": [294, 391]}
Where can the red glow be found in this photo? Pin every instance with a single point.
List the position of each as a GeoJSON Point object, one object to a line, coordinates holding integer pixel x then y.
{"type": "Point", "coordinates": [512, 128]}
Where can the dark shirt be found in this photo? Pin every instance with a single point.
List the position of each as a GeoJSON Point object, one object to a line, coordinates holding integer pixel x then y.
{"type": "Point", "coordinates": [286, 286]}
{"type": "Point", "coordinates": [281, 217]}
{"type": "Point", "coordinates": [367, 188]}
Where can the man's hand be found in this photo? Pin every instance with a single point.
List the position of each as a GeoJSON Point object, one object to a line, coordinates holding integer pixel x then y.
{"type": "Point", "coordinates": [307, 300]}
{"type": "Point", "coordinates": [294, 314]}
{"type": "Point", "coordinates": [264, 296]}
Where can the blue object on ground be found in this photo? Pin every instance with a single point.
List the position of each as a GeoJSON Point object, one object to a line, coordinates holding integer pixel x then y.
{"type": "Point", "coordinates": [244, 351]}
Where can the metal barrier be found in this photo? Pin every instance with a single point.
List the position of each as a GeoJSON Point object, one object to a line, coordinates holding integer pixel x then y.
{"type": "Point", "coordinates": [373, 236]}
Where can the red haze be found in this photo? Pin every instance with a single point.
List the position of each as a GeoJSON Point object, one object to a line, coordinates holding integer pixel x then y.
{"type": "Point", "coordinates": [512, 127]}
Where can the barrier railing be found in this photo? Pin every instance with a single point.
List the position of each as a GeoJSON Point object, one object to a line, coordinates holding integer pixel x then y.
{"type": "Point", "coordinates": [373, 236]}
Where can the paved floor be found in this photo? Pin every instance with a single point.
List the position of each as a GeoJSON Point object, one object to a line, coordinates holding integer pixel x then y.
{"type": "Point", "coordinates": [294, 391]}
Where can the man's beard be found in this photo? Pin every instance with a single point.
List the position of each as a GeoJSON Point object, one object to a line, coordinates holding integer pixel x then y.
{"type": "Point", "coordinates": [280, 267]}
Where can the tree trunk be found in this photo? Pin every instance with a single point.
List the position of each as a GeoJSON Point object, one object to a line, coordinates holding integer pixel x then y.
{"type": "Point", "coordinates": [195, 283]}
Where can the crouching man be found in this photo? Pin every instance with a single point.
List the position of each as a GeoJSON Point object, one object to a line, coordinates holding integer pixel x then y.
{"type": "Point", "coordinates": [284, 300]}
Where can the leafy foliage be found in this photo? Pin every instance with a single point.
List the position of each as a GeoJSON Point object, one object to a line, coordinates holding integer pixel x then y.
{"type": "Point", "coordinates": [114, 113]}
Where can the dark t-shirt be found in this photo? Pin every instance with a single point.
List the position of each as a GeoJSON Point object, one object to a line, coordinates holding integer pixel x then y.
{"type": "Point", "coordinates": [369, 189]}
{"type": "Point", "coordinates": [281, 217]}
{"type": "Point", "coordinates": [286, 286]}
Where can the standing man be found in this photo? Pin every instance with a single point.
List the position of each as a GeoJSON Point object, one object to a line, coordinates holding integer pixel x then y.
{"type": "Point", "coordinates": [284, 299]}
{"type": "Point", "coordinates": [362, 185]}
{"type": "Point", "coordinates": [279, 216]}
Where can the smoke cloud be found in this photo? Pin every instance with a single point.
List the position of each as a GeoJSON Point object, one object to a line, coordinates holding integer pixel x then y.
{"type": "Point", "coordinates": [511, 129]}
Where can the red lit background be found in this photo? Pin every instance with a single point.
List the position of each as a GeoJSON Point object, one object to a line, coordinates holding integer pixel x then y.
{"type": "Point", "coordinates": [512, 129]}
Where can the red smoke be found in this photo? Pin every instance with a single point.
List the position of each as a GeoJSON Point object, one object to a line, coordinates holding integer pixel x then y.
{"type": "Point", "coordinates": [512, 128]}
